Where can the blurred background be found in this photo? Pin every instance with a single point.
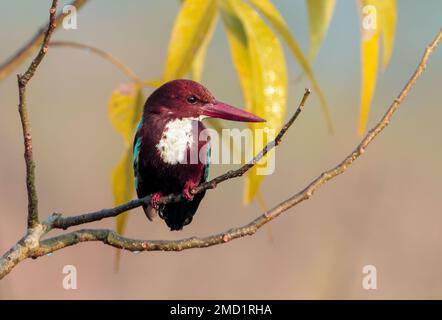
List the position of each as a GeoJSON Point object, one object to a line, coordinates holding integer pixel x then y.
{"type": "Point", "coordinates": [386, 210]}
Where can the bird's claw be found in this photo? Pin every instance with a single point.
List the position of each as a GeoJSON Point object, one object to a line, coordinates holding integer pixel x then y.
{"type": "Point", "coordinates": [188, 190]}
{"type": "Point", "coordinates": [154, 201]}
{"type": "Point", "coordinates": [188, 195]}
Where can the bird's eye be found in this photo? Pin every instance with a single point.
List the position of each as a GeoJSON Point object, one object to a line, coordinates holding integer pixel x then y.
{"type": "Point", "coordinates": [192, 99]}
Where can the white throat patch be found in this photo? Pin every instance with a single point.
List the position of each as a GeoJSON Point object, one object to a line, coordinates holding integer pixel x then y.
{"type": "Point", "coordinates": [177, 137]}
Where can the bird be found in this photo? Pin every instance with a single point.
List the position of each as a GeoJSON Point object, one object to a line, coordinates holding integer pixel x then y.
{"type": "Point", "coordinates": [167, 140]}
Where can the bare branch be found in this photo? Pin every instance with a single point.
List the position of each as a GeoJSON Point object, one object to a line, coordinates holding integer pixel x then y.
{"type": "Point", "coordinates": [112, 59]}
{"type": "Point", "coordinates": [24, 117]}
{"type": "Point", "coordinates": [67, 222]}
{"type": "Point", "coordinates": [25, 52]}
{"type": "Point", "coordinates": [112, 238]}
{"type": "Point", "coordinates": [24, 248]}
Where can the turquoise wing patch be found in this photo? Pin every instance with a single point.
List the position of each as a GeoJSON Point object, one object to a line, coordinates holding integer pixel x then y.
{"type": "Point", "coordinates": [136, 155]}
{"type": "Point", "coordinates": [206, 168]}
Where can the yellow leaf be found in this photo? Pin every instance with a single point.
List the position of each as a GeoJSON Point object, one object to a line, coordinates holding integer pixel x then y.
{"type": "Point", "coordinates": [370, 32]}
{"type": "Point", "coordinates": [320, 13]}
{"type": "Point", "coordinates": [123, 185]}
{"type": "Point", "coordinates": [123, 190]}
{"type": "Point", "coordinates": [125, 108]}
{"type": "Point", "coordinates": [198, 61]}
{"type": "Point", "coordinates": [237, 38]}
{"type": "Point", "coordinates": [267, 8]}
{"type": "Point", "coordinates": [152, 83]}
{"type": "Point", "coordinates": [387, 20]}
{"type": "Point", "coordinates": [378, 18]}
{"type": "Point", "coordinates": [191, 27]}
{"type": "Point", "coordinates": [264, 76]}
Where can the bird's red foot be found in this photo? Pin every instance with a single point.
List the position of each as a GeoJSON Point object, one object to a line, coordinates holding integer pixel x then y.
{"type": "Point", "coordinates": [187, 191]}
{"type": "Point", "coordinates": [154, 201]}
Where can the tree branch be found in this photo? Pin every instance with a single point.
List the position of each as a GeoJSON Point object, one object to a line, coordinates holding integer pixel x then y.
{"type": "Point", "coordinates": [25, 52]}
{"type": "Point", "coordinates": [31, 246]}
{"type": "Point", "coordinates": [24, 117]}
{"type": "Point", "coordinates": [105, 55]}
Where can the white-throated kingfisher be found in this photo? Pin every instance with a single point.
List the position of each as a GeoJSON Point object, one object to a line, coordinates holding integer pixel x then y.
{"type": "Point", "coordinates": [166, 138]}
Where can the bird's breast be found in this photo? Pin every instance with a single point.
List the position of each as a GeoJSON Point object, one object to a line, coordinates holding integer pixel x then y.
{"type": "Point", "coordinates": [178, 137]}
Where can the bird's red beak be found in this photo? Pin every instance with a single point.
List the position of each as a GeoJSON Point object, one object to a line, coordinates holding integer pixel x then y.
{"type": "Point", "coordinates": [222, 110]}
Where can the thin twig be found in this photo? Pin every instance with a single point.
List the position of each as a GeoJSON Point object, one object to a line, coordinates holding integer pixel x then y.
{"type": "Point", "coordinates": [111, 58]}
{"type": "Point", "coordinates": [24, 117]}
{"type": "Point", "coordinates": [67, 222]}
{"type": "Point", "coordinates": [25, 52]}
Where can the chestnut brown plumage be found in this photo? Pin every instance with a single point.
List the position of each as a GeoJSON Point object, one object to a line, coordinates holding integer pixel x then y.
{"type": "Point", "coordinates": [165, 142]}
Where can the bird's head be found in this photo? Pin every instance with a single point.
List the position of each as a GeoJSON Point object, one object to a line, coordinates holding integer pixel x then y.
{"type": "Point", "coordinates": [189, 99]}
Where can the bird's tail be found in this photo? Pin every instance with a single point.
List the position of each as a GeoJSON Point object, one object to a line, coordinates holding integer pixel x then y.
{"type": "Point", "coordinates": [177, 215]}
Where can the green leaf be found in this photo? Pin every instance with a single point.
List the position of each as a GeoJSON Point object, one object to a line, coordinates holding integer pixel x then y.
{"type": "Point", "coordinates": [267, 8]}
{"type": "Point", "coordinates": [191, 27]}
{"type": "Point", "coordinates": [263, 75]}
{"type": "Point", "coordinates": [320, 13]}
